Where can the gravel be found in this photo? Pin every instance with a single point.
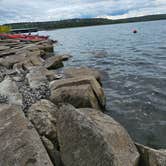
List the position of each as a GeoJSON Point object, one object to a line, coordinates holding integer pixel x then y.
{"type": "Point", "coordinates": [30, 95]}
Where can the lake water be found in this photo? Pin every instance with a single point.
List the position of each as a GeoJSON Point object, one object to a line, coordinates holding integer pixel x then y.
{"type": "Point", "coordinates": [134, 72]}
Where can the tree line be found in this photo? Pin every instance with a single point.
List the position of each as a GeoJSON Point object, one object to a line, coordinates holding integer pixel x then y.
{"type": "Point", "coordinates": [48, 25]}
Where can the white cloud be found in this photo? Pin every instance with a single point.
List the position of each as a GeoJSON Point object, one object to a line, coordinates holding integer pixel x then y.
{"type": "Point", "coordinates": [45, 10]}
{"type": "Point", "coordinates": [137, 13]}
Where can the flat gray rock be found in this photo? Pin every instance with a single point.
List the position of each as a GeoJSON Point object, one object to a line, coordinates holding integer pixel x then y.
{"type": "Point", "coordinates": [53, 62]}
{"type": "Point", "coordinates": [81, 96]}
{"type": "Point", "coordinates": [42, 115]}
{"type": "Point", "coordinates": [88, 137]}
{"type": "Point", "coordinates": [2, 48]}
{"type": "Point", "coordinates": [36, 78]}
{"type": "Point", "coordinates": [20, 144]}
{"type": "Point", "coordinates": [70, 83]}
{"type": "Point", "coordinates": [82, 71]}
{"type": "Point", "coordinates": [151, 157]}
{"type": "Point", "coordinates": [9, 88]}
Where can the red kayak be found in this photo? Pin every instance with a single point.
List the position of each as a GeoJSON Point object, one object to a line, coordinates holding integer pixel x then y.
{"type": "Point", "coordinates": [24, 37]}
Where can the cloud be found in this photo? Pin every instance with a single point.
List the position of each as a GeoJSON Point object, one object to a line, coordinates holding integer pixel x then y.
{"type": "Point", "coordinates": [46, 10]}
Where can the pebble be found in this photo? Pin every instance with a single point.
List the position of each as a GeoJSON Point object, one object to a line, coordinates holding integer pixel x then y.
{"type": "Point", "coordinates": [30, 96]}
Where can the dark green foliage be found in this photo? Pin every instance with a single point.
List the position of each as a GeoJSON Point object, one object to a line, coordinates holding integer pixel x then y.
{"type": "Point", "coordinates": [82, 22]}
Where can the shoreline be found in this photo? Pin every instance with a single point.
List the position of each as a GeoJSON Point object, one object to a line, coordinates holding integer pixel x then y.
{"type": "Point", "coordinates": [32, 91]}
{"type": "Point", "coordinates": [77, 22]}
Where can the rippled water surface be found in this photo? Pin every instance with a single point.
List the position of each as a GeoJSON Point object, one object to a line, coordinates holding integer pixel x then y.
{"type": "Point", "coordinates": [134, 72]}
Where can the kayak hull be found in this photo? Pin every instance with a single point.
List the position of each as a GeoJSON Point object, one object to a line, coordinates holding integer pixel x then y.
{"type": "Point", "coordinates": [24, 37]}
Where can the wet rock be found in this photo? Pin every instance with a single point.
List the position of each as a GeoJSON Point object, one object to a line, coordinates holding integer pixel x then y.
{"type": "Point", "coordinates": [52, 151]}
{"type": "Point", "coordinates": [87, 137]}
{"type": "Point", "coordinates": [82, 71]}
{"type": "Point", "coordinates": [20, 144]}
{"type": "Point", "coordinates": [9, 89]}
{"type": "Point", "coordinates": [42, 115]}
{"type": "Point", "coordinates": [65, 57]}
{"type": "Point", "coordinates": [151, 157]}
{"type": "Point", "coordinates": [53, 62]}
{"type": "Point", "coordinates": [77, 81]}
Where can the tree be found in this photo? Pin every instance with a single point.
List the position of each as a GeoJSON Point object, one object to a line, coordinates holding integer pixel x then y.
{"type": "Point", "coordinates": [4, 29]}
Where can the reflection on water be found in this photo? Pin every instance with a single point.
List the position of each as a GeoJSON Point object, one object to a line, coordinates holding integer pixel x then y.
{"type": "Point", "coordinates": [134, 72]}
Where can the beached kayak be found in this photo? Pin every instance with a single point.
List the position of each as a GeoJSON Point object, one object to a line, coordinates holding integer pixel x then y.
{"type": "Point", "coordinates": [23, 37]}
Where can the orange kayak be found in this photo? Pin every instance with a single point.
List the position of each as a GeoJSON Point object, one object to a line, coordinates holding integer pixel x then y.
{"type": "Point", "coordinates": [24, 37]}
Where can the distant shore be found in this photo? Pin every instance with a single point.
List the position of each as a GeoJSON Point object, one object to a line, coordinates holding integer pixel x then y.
{"type": "Point", "coordinates": [70, 23]}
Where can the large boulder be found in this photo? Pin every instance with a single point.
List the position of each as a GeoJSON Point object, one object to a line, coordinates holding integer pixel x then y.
{"type": "Point", "coordinates": [88, 137]}
{"type": "Point", "coordinates": [53, 62]}
{"type": "Point", "coordinates": [82, 71]}
{"type": "Point", "coordinates": [36, 61]}
{"type": "Point", "coordinates": [9, 61]}
{"type": "Point", "coordinates": [81, 96]}
{"type": "Point", "coordinates": [151, 157]}
{"type": "Point", "coordinates": [50, 74]}
{"type": "Point", "coordinates": [42, 115]}
{"type": "Point", "coordinates": [9, 88]}
{"type": "Point", "coordinates": [72, 90]}
{"type": "Point", "coordinates": [36, 78]}
{"type": "Point", "coordinates": [34, 57]}
{"type": "Point", "coordinates": [46, 46]}
{"type": "Point", "coordinates": [20, 144]}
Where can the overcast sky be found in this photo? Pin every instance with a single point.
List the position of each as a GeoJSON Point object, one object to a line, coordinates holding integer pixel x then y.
{"type": "Point", "coordinates": [46, 10]}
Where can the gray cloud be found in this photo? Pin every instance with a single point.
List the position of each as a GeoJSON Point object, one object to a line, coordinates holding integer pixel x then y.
{"type": "Point", "coordinates": [45, 10]}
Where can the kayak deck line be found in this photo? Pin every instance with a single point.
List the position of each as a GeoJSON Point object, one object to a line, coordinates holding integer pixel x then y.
{"type": "Point", "coordinates": [28, 37]}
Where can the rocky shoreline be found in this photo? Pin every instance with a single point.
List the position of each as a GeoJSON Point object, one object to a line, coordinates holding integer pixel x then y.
{"type": "Point", "coordinates": [56, 118]}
